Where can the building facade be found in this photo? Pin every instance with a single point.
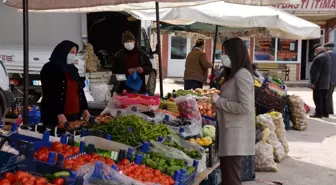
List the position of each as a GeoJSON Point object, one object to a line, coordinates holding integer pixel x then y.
{"type": "Point", "coordinates": [295, 54]}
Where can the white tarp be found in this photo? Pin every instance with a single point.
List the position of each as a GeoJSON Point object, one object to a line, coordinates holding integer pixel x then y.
{"type": "Point", "coordinates": [121, 5]}
{"type": "Point", "coordinates": [93, 5]}
{"type": "Point", "coordinates": [280, 23]}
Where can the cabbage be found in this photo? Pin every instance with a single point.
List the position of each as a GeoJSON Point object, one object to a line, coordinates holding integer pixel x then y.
{"type": "Point", "coordinates": [209, 131]}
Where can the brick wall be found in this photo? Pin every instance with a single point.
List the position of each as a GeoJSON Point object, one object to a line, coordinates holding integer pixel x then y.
{"type": "Point", "coordinates": [292, 73]}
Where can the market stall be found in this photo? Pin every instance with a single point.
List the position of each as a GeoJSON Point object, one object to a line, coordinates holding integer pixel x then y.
{"type": "Point", "coordinates": [173, 136]}
{"type": "Point", "coordinates": [142, 141]}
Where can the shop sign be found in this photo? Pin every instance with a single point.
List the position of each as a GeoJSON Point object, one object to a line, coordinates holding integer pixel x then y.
{"type": "Point", "coordinates": [310, 5]}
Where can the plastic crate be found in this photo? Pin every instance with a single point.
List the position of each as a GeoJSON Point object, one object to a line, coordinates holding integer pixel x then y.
{"type": "Point", "coordinates": [34, 142]}
{"type": "Point", "coordinates": [248, 168]}
{"type": "Point", "coordinates": [7, 160]}
{"type": "Point", "coordinates": [286, 117]}
{"type": "Point", "coordinates": [206, 120]}
{"type": "Point", "coordinates": [38, 168]}
{"type": "Point", "coordinates": [212, 155]}
{"type": "Point", "coordinates": [180, 177]}
{"type": "Point", "coordinates": [214, 178]}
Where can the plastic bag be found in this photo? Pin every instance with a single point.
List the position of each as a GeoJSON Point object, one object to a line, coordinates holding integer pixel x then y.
{"type": "Point", "coordinates": [134, 81]}
{"type": "Point", "coordinates": [298, 113]}
{"type": "Point", "coordinates": [193, 129]}
{"type": "Point", "coordinates": [103, 146]}
{"type": "Point", "coordinates": [100, 92]}
{"type": "Point", "coordinates": [279, 151]}
{"type": "Point", "coordinates": [264, 159]}
{"type": "Point", "coordinates": [188, 107]}
{"type": "Point", "coordinates": [265, 121]}
{"type": "Point", "coordinates": [159, 117]}
{"type": "Point", "coordinates": [177, 154]}
{"type": "Point", "coordinates": [102, 174]}
{"type": "Point", "coordinates": [280, 129]}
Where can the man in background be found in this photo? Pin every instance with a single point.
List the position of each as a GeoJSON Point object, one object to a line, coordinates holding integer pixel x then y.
{"type": "Point", "coordinates": [320, 81]}
{"type": "Point", "coordinates": [329, 47]}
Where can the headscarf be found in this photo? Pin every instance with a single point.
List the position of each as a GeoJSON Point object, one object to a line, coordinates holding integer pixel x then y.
{"type": "Point", "coordinates": [59, 57]}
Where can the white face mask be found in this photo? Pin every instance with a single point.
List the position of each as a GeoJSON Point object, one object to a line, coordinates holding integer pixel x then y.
{"type": "Point", "coordinates": [129, 45]}
{"type": "Point", "coordinates": [226, 61]}
{"type": "Point", "coordinates": [71, 58]}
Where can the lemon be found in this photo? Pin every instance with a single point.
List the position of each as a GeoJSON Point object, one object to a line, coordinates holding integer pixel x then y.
{"type": "Point", "coordinates": [198, 139]}
{"type": "Point", "coordinates": [207, 143]}
{"type": "Point", "coordinates": [192, 140]}
{"type": "Point", "coordinates": [200, 143]}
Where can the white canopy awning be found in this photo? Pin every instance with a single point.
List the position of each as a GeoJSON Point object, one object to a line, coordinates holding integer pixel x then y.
{"type": "Point", "coordinates": [83, 6]}
{"type": "Point", "coordinates": [121, 5]}
{"type": "Point", "coordinates": [279, 23]}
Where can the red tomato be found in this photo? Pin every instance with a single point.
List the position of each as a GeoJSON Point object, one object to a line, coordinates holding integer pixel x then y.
{"type": "Point", "coordinates": [124, 162]}
{"type": "Point", "coordinates": [24, 179]}
{"type": "Point", "coordinates": [40, 180]}
{"type": "Point", "coordinates": [28, 183]}
{"type": "Point", "coordinates": [157, 172]}
{"type": "Point", "coordinates": [56, 145]}
{"type": "Point", "coordinates": [9, 176]}
{"type": "Point", "coordinates": [19, 175]}
{"type": "Point", "coordinates": [5, 182]}
{"type": "Point", "coordinates": [75, 150]}
{"type": "Point", "coordinates": [59, 181]}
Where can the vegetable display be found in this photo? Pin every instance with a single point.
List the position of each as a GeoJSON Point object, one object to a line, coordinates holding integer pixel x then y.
{"type": "Point", "coordinates": [132, 130]}
{"type": "Point", "coordinates": [209, 131]}
{"type": "Point", "coordinates": [102, 119]}
{"type": "Point", "coordinates": [206, 108]}
{"type": "Point", "coordinates": [76, 163]}
{"type": "Point", "coordinates": [64, 149]}
{"type": "Point", "coordinates": [204, 141]}
{"type": "Point", "coordinates": [73, 125]}
{"type": "Point", "coordinates": [144, 174]}
{"type": "Point", "coordinates": [193, 153]}
{"type": "Point", "coordinates": [25, 178]}
{"type": "Point", "coordinates": [198, 92]}
{"type": "Point", "coordinates": [165, 164]}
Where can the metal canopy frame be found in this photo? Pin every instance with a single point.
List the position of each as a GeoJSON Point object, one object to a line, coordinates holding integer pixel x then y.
{"type": "Point", "coordinates": [25, 11]}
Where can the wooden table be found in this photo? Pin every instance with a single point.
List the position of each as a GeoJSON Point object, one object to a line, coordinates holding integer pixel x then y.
{"type": "Point", "coordinates": [200, 177]}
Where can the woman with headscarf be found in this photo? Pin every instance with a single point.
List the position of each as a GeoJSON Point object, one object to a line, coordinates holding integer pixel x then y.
{"type": "Point", "coordinates": [235, 111]}
{"type": "Point", "coordinates": [196, 67]}
{"type": "Point", "coordinates": [129, 60]}
{"type": "Point", "coordinates": [63, 96]}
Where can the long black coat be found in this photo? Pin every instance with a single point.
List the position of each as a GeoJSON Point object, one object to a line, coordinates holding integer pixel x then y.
{"type": "Point", "coordinates": [320, 71]}
{"type": "Point", "coordinates": [332, 54]}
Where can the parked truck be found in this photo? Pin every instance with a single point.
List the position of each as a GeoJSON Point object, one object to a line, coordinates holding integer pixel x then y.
{"type": "Point", "coordinates": [103, 30]}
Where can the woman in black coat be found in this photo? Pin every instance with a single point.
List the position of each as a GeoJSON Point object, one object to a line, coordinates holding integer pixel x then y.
{"type": "Point", "coordinates": [131, 59]}
{"type": "Point", "coordinates": [63, 96]}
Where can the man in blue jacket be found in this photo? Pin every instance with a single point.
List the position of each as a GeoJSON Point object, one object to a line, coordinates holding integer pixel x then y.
{"type": "Point", "coordinates": [320, 81]}
{"type": "Point", "coordinates": [330, 48]}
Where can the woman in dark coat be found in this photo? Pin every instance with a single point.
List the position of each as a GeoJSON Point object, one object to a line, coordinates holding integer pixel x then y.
{"type": "Point", "coordinates": [131, 59]}
{"type": "Point", "coordinates": [63, 96]}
